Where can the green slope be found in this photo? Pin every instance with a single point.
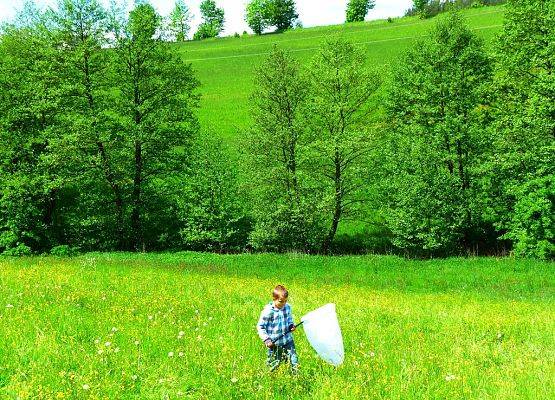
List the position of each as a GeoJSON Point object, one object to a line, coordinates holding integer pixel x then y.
{"type": "Point", "coordinates": [225, 66]}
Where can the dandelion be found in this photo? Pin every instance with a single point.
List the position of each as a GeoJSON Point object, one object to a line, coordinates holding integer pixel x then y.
{"type": "Point", "coordinates": [450, 377]}
{"type": "Point", "coordinates": [86, 387]}
{"type": "Point", "coordinates": [234, 380]}
{"type": "Point", "coordinates": [170, 354]}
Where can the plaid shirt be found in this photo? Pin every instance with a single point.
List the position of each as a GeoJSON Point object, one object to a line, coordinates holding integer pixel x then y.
{"type": "Point", "coordinates": [274, 322]}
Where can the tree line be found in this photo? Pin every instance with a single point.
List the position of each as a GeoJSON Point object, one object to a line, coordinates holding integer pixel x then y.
{"type": "Point", "coordinates": [451, 153]}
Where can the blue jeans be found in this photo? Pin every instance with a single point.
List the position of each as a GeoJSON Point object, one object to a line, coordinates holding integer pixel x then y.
{"type": "Point", "coordinates": [285, 354]}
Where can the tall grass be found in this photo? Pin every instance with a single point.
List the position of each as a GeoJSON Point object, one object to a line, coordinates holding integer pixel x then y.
{"type": "Point", "coordinates": [123, 326]}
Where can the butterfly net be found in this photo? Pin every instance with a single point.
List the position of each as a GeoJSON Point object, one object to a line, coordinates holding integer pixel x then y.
{"type": "Point", "coordinates": [324, 335]}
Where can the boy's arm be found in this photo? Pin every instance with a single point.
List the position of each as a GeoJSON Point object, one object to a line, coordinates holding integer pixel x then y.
{"type": "Point", "coordinates": [262, 323]}
{"type": "Point", "coordinates": [290, 323]}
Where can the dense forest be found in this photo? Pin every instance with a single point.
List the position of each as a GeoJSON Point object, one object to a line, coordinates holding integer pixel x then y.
{"type": "Point", "coordinates": [101, 148]}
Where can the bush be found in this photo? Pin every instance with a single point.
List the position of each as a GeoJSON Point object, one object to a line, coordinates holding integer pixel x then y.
{"type": "Point", "coordinates": [18, 251]}
{"type": "Point", "coordinates": [64, 251]}
{"type": "Point", "coordinates": [532, 226]}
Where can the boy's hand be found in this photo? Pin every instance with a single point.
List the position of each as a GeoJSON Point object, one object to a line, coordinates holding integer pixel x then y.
{"type": "Point", "coordinates": [292, 328]}
{"type": "Point", "coordinates": [269, 344]}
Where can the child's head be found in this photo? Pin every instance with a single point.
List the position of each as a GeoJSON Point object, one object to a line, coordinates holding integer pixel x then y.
{"type": "Point", "coordinates": [280, 295]}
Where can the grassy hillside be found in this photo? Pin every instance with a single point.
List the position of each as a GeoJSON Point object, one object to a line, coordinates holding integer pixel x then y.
{"type": "Point", "coordinates": [181, 326]}
{"type": "Point", "coordinates": [225, 66]}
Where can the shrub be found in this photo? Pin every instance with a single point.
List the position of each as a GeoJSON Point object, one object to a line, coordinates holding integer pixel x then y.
{"type": "Point", "coordinates": [64, 251]}
{"type": "Point", "coordinates": [18, 251]}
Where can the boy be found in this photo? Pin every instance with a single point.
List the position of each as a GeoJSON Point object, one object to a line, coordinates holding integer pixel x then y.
{"type": "Point", "coordinates": [274, 328]}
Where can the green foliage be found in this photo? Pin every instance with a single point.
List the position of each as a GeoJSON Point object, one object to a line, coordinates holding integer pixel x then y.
{"type": "Point", "coordinates": [282, 14]}
{"type": "Point", "coordinates": [284, 200]}
{"type": "Point", "coordinates": [155, 97]}
{"type": "Point", "coordinates": [212, 20]}
{"type": "Point", "coordinates": [522, 166]}
{"type": "Point", "coordinates": [532, 226]}
{"type": "Point", "coordinates": [257, 15]}
{"type": "Point", "coordinates": [262, 14]}
{"type": "Point", "coordinates": [437, 141]}
{"type": "Point", "coordinates": [340, 88]}
{"type": "Point", "coordinates": [64, 250]}
{"type": "Point", "coordinates": [358, 9]}
{"type": "Point", "coordinates": [208, 201]}
{"type": "Point", "coordinates": [29, 106]}
{"type": "Point", "coordinates": [179, 22]}
{"type": "Point", "coordinates": [19, 250]}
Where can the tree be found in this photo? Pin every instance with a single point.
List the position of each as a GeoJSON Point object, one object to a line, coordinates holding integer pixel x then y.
{"type": "Point", "coordinates": [282, 198]}
{"type": "Point", "coordinates": [213, 20]}
{"type": "Point", "coordinates": [257, 15]}
{"type": "Point", "coordinates": [210, 207]}
{"type": "Point", "coordinates": [29, 107]}
{"type": "Point", "coordinates": [154, 114]}
{"type": "Point", "coordinates": [83, 149]}
{"type": "Point", "coordinates": [180, 18]}
{"type": "Point", "coordinates": [420, 7]}
{"type": "Point", "coordinates": [282, 14]}
{"type": "Point", "coordinates": [358, 9]}
{"type": "Point", "coordinates": [437, 141]}
{"type": "Point", "coordinates": [340, 88]}
{"type": "Point", "coordinates": [522, 167]}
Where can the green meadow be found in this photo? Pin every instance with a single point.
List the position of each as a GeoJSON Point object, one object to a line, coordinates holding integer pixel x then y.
{"type": "Point", "coordinates": [225, 66]}
{"type": "Point", "coordinates": [182, 326]}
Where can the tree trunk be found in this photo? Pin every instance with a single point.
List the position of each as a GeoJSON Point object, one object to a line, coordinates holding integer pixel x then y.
{"type": "Point", "coordinates": [138, 242]}
{"type": "Point", "coordinates": [338, 200]}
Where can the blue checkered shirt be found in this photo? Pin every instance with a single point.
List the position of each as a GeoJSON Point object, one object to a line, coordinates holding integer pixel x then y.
{"type": "Point", "coordinates": [274, 322]}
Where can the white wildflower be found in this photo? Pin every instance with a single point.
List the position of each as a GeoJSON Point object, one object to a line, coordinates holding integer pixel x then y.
{"type": "Point", "coordinates": [234, 380]}
{"type": "Point", "coordinates": [170, 354]}
{"type": "Point", "coordinates": [86, 387]}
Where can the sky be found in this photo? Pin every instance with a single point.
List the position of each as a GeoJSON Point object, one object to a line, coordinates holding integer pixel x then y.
{"type": "Point", "coordinates": [311, 12]}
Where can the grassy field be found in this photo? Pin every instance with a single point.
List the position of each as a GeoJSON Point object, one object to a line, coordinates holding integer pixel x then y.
{"type": "Point", "coordinates": [172, 326]}
{"type": "Point", "coordinates": [225, 66]}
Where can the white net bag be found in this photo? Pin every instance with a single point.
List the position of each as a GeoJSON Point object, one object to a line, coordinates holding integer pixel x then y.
{"type": "Point", "coordinates": [324, 335]}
